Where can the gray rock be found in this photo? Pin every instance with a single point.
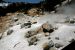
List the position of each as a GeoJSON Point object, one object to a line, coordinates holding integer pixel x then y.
{"type": "Point", "coordinates": [49, 37]}
{"type": "Point", "coordinates": [26, 24]}
{"type": "Point", "coordinates": [28, 34]}
{"type": "Point", "coordinates": [57, 38]}
{"type": "Point", "coordinates": [9, 32]}
{"type": "Point", "coordinates": [58, 45]}
{"type": "Point", "coordinates": [72, 21]}
{"type": "Point", "coordinates": [32, 40]}
{"type": "Point", "coordinates": [46, 46]}
{"type": "Point", "coordinates": [51, 43]}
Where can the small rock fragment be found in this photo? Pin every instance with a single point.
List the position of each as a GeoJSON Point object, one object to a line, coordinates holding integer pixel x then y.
{"type": "Point", "coordinates": [72, 40]}
{"type": "Point", "coordinates": [49, 37]}
{"type": "Point", "coordinates": [72, 21]}
{"type": "Point", "coordinates": [58, 45]}
{"type": "Point", "coordinates": [57, 38]}
{"type": "Point", "coordinates": [46, 46]}
{"type": "Point", "coordinates": [51, 43]}
{"type": "Point", "coordinates": [35, 43]}
{"type": "Point", "coordinates": [9, 32]}
{"type": "Point", "coordinates": [32, 40]}
{"type": "Point", "coordinates": [51, 30]}
{"type": "Point", "coordinates": [15, 19]}
{"type": "Point", "coordinates": [1, 35]}
{"type": "Point", "coordinates": [26, 24]}
{"type": "Point", "coordinates": [34, 22]}
{"type": "Point", "coordinates": [46, 34]}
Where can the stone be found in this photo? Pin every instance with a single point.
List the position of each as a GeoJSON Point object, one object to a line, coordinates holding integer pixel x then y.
{"type": "Point", "coordinates": [32, 40]}
{"type": "Point", "coordinates": [26, 24]}
{"type": "Point", "coordinates": [51, 30]}
{"type": "Point", "coordinates": [46, 34]}
{"type": "Point", "coordinates": [35, 43]}
{"type": "Point", "coordinates": [47, 28]}
{"type": "Point", "coordinates": [9, 32]}
{"type": "Point", "coordinates": [58, 45]}
{"type": "Point", "coordinates": [34, 22]}
{"type": "Point", "coordinates": [49, 37]}
{"type": "Point", "coordinates": [72, 21]}
{"type": "Point", "coordinates": [1, 35]}
{"type": "Point", "coordinates": [46, 46]}
{"type": "Point", "coordinates": [34, 11]}
{"type": "Point", "coordinates": [72, 40]}
{"type": "Point", "coordinates": [57, 38]}
{"type": "Point", "coordinates": [15, 19]}
{"type": "Point", "coordinates": [51, 43]}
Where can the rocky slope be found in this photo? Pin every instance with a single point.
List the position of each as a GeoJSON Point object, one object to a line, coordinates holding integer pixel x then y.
{"type": "Point", "coordinates": [19, 31]}
{"type": "Point", "coordinates": [45, 32]}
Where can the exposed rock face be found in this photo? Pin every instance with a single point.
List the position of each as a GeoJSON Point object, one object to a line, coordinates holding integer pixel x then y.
{"type": "Point", "coordinates": [34, 11]}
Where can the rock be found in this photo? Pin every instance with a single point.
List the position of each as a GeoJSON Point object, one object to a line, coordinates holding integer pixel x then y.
{"type": "Point", "coordinates": [58, 45]}
{"type": "Point", "coordinates": [46, 46]}
{"type": "Point", "coordinates": [34, 22]}
{"type": "Point", "coordinates": [28, 25]}
{"type": "Point", "coordinates": [72, 40]}
{"type": "Point", "coordinates": [15, 19]}
{"type": "Point", "coordinates": [0, 35]}
{"type": "Point", "coordinates": [51, 43]}
{"type": "Point", "coordinates": [32, 40]}
{"type": "Point", "coordinates": [57, 38]}
{"type": "Point", "coordinates": [67, 20]}
{"type": "Point", "coordinates": [9, 32]}
{"type": "Point", "coordinates": [47, 34]}
{"type": "Point", "coordinates": [28, 34]}
{"type": "Point", "coordinates": [34, 12]}
{"type": "Point", "coordinates": [49, 37]}
{"type": "Point", "coordinates": [72, 21]}
{"type": "Point", "coordinates": [51, 30]}
{"type": "Point", "coordinates": [47, 28]}
{"type": "Point", "coordinates": [35, 43]}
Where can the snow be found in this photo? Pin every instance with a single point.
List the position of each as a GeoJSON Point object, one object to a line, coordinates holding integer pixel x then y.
{"type": "Point", "coordinates": [17, 41]}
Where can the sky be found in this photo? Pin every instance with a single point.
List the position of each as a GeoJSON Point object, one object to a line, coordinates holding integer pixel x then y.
{"type": "Point", "coordinates": [30, 1]}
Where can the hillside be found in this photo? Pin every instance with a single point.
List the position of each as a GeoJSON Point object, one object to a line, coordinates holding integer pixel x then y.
{"type": "Point", "coordinates": [48, 30]}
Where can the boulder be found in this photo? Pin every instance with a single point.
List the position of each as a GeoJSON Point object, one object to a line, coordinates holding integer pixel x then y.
{"type": "Point", "coordinates": [47, 28]}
